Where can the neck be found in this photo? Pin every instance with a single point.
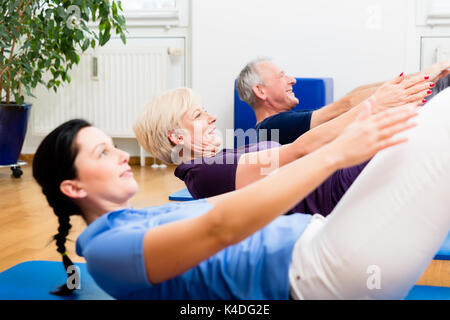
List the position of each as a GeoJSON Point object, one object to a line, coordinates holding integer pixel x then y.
{"type": "Point", "coordinates": [91, 212]}
{"type": "Point", "coordinates": [200, 152]}
{"type": "Point", "coordinates": [264, 110]}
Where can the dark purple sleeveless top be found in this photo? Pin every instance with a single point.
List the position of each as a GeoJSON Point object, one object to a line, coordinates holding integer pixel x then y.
{"type": "Point", "coordinates": [211, 176]}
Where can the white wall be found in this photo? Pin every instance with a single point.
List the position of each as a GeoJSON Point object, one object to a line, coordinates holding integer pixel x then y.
{"type": "Point", "coordinates": [353, 41]}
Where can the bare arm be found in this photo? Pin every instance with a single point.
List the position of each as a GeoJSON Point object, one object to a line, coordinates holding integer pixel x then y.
{"type": "Point", "coordinates": [356, 96]}
{"type": "Point", "coordinates": [174, 248]}
{"type": "Point", "coordinates": [436, 71]}
{"type": "Point", "coordinates": [254, 166]}
{"type": "Point", "coordinates": [335, 109]}
{"type": "Point", "coordinates": [396, 92]}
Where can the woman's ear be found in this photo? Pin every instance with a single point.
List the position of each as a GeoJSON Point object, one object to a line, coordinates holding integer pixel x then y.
{"type": "Point", "coordinates": [71, 189]}
{"type": "Point", "coordinates": [259, 92]}
{"type": "Point", "coordinates": [175, 137]}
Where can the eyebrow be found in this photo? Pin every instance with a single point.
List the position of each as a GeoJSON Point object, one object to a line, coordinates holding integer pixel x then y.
{"type": "Point", "coordinates": [101, 144]}
{"type": "Point", "coordinates": [195, 110]}
{"type": "Point", "coordinates": [97, 146]}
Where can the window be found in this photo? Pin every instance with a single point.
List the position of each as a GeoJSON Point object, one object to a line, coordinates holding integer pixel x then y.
{"type": "Point", "coordinates": [439, 9]}
{"type": "Point", "coordinates": [433, 12]}
{"type": "Point", "coordinates": [139, 5]}
{"type": "Point", "coordinates": [166, 13]}
{"type": "Point", "coordinates": [153, 9]}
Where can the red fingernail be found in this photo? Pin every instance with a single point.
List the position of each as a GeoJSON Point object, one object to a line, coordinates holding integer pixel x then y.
{"type": "Point", "coordinates": [432, 85]}
{"type": "Point", "coordinates": [427, 77]}
{"type": "Point", "coordinates": [429, 92]}
{"type": "Point", "coordinates": [424, 100]}
{"type": "Point", "coordinates": [401, 74]}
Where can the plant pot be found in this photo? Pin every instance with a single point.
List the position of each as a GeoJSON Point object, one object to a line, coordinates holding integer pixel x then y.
{"type": "Point", "coordinates": [13, 128]}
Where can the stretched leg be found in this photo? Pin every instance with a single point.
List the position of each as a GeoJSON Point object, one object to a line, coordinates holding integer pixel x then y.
{"type": "Point", "coordinates": [324, 198]}
{"type": "Point", "coordinates": [387, 228]}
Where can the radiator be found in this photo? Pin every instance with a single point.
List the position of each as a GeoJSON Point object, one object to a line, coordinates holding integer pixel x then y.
{"type": "Point", "coordinates": [109, 88]}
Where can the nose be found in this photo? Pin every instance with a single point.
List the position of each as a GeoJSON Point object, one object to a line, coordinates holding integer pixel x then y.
{"type": "Point", "coordinates": [291, 80]}
{"type": "Point", "coordinates": [211, 118]}
{"type": "Point", "coordinates": [124, 156]}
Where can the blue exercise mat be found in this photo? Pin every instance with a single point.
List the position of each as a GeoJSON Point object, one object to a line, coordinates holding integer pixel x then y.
{"type": "Point", "coordinates": [429, 293]}
{"type": "Point", "coordinates": [33, 280]}
{"type": "Point", "coordinates": [182, 195]}
{"type": "Point", "coordinates": [444, 251]}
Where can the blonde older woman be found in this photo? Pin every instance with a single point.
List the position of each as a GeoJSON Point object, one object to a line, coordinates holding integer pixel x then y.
{"type": "Point", "coordinates": [175, 128]}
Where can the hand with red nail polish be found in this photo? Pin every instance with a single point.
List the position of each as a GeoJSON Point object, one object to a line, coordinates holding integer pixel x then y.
{"type": "Point", "coordinates": [437, 71]}
{"type": "Point", "coordinates": [401, 91]}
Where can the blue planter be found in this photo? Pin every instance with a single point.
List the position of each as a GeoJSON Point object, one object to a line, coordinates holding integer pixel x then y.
{"type": "Point", "coordinates": [13, 127]}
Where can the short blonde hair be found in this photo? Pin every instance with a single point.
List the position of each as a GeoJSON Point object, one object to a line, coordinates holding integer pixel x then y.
{"type": "Point", "coordinates": [160, 116]}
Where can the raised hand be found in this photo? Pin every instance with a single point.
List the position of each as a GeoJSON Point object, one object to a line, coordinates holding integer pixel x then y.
{"type": "Point", "coordinates": [401, 91]}
{"type": "Point", "coordinates": [437, 70]}
{"type": "Point", "coordinates": [370, 133]}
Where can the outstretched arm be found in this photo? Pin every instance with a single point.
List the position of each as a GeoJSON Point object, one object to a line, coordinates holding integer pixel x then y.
{"type": "Point", "coordinates": [346, 103]}
{"type": "Point", "coordinates": [174, 248]}
{"type": "Point", "coordinates": [355, 97]}
{"type": "Point", "coordinates": [254, 166]}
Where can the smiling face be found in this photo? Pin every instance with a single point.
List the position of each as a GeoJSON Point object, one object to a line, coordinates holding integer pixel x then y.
{"type": "Point", "coordinates": [200, 132]}
{"type": "Point", "coordinates": [277, 86]}
{"type": "Point", "coordinates": [103, 174]}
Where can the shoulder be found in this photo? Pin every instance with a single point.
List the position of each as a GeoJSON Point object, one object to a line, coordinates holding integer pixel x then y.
{"type": "Point", "coordinates": [183, 169]}
{"type": "Point", "coordinates": [112, 247]}
{"type": "Point", "coordinates": [286, 117]}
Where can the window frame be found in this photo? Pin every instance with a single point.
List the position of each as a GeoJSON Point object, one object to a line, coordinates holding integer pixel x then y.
{"type": "Point", "coordinates": [426, 16]}
{"type": "Point", "coordinates": [160, 17]}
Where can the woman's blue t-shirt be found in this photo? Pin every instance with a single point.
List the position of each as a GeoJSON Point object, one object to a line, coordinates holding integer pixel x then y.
{"type": "Point", "coordinates": [255, 268]}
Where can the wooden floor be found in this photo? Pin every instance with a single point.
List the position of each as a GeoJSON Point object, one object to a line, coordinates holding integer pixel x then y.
{"type": "Point", "coordinates": [27, 223]}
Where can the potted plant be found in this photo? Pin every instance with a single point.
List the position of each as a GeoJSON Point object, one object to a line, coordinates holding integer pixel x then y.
{"type": "Point", "coordinates": [40, 41]}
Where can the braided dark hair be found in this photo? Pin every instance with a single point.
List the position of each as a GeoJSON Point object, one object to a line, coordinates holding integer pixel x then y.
{"type": "Point", "coordinates": [52, 164]}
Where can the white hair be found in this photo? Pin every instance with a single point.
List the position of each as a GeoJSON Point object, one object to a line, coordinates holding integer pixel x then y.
{"type": "Point", "coordinates": [249, 77]}
{"type": "Point", "coordinates": [160, 116]}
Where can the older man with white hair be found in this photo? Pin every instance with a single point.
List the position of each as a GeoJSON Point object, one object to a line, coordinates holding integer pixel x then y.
{"type": "Point", "coordinates": [267, 88]}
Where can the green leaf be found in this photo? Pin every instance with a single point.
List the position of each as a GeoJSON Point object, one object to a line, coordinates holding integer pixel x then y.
{"type": "Point", "coordinates": [79, 35]}
{"type": "Point", "coordinates": [85, 45]}
{"type": "Point", "coordinates": [19, 99]}
{"type": "Point", "coordinates": [62, 12]}
{"type": "Point", "coordinates": [114, 8]}
{"type": "Point", "coordinates": [73, 57]}
{"type": "Point", "coordinates": [123, 38]}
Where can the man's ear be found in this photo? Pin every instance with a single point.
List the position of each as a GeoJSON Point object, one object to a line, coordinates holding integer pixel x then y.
{"type": "Point", "coordinates": [176, 137]}
{"type": "Point", "coordinates": [259, 92]}
{"type": "Point", "coordinates": [72, 189]}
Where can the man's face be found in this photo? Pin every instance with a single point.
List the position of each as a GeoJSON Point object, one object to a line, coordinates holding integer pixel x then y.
{"type": "Point", "coordinates": [277, 86]}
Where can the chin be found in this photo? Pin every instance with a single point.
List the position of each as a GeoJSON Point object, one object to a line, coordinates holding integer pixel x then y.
{"type": "Point", "coordinates": [132, 188]}
{"type": "Point", "coordinates": [213, 140]}
{"type": "Point", "coordinates": [294, 103]}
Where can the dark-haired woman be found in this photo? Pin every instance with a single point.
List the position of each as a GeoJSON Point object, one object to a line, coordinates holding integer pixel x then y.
{"type": "Point", "coordinates": [236, 245]}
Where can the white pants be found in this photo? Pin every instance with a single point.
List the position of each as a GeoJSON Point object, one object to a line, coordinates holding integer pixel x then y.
{"type": "Point", "coordinates": [387, 228]}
